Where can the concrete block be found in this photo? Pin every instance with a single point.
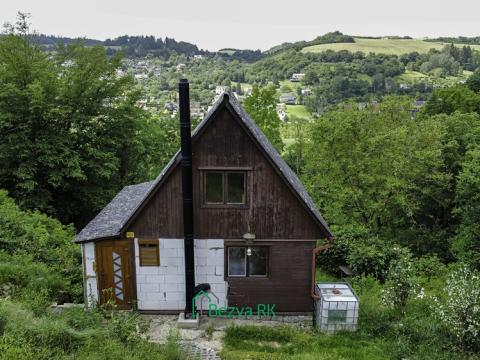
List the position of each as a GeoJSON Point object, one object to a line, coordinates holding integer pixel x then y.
{"type": "Point", "coordinates": [148, 270]}
{"type": "Point", "coordinates": [149, 288]}
{"type": "Point", "coordinates": [173, 279]}
{"type": "Point", "coordinates": [169, 253]}
{"type": "Point", "coordinates": [184, 323]}
{"type": "Point", "coordinates": [154, 279]}
{"type": "Point", "coordinates": [168, 287]}
{"type": "Point", "coordinates": [215, 243]}
{"type": "Point", "coordinates": [200, 244]}
{"type": "Point", "coordinates": [175, 296]}
{"type": "Point", "coordinates": [200, 261]}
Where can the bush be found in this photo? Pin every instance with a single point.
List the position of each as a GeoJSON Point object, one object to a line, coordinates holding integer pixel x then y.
{"type": "Point", "coordinates": [76, 334]}
{"type": "Point", "coordinates": [460, 309]}
{"type": "Point", "coordinates": [30, 238]}
{"type": "Point", "coordinates": [400, 283]}
{"type": "Point", "coordinates": [31, 281]}
{"type": "Point", "coordinates": [337, 253]}
{"type": "Point", "coordinates": [363, 253]}
{"type": "Point", "coordinates": [429, 267]}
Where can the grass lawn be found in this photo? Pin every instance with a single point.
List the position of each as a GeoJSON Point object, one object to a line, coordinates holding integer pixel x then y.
{"type": "Point", "coordinates": [382, 333]}
{"type": "Point", "coordinates": [385, 46]}
{"type": "Point", "coordinates": [412, 77]}
{"type": "Point", "coordinates": [298, 111]}
{"type": "Point", "coordinates": [283, 342]}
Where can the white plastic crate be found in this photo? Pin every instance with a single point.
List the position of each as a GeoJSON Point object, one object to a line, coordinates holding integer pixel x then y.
{"type": "Point", "coordinates": [337, 308]}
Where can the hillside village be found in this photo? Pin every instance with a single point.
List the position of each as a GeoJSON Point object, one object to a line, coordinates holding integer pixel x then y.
{"type": "Point", "coordinates": [300, 91]}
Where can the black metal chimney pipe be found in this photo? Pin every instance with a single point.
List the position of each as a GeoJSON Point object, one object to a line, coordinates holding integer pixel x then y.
{"type": "Point", "coordinates": [187, 192]}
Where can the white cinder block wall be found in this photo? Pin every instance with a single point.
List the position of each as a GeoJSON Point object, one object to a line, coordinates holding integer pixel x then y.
{"type": "Point", "coordinates": [90, 277]}
{"type": "Point", "coordinates": [163, 287]}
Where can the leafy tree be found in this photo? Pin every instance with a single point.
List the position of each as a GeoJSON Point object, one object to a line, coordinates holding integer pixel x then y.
{"type": "Point", "coordinates": [451, 99]}
{"type": "Point", "coordinates": [261, 105]}
{"type": "Point", "coordinates": [72, 134]}
{"type": "Point", "coordinates": [467, 243]}
{"type": "Point", "coordinates": [294, 153]}
{"type": "Point", "coordinates": [374, 167]}
{"type": "Point", "coordinates": [473, 82]}
{"type": "Point", "coordinates": [311, 77]}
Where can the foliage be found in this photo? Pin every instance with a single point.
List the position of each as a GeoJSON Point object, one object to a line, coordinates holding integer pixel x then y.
{"type": "Point", "coordinates": [400, 283]}
{"type": "Point", "coordinates": [460, 310]}
{"type": "Point", "coordinates": [72, 134]}
{"type": "Point", "coordinates": [448, 100]}
{"type": "Point", "coordinates": [386, 164]}
{"type": "Point", "coordinates": [473, 82]}
{"type": "Point", "coordinates": [365, 254]}
{"type": "Point", "coordinates": [75, 334]}
{"type": "Point", "coordinates": [467, 242]}
{"type": "Point", "coordinates": [37, 253]}
{"type": "Point", "coordinates": [261, 105]}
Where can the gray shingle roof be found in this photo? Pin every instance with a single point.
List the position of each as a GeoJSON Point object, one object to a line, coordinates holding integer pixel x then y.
{"type": "Point", "coordinates": [113, 218]}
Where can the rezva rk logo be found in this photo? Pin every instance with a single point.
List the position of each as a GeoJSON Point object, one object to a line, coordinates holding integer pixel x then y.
{"type": "Point", "coordinates": [265, 310]}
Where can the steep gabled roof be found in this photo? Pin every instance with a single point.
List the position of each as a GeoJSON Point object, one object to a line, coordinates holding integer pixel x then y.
{"type": "Point", "coordinates": [111, 221]}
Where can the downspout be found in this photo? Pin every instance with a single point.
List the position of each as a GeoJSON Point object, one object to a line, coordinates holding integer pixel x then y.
{"type": "Point", "coordinates": [314, 264]}
{"type": "Point", "coordinates": [187, 193]}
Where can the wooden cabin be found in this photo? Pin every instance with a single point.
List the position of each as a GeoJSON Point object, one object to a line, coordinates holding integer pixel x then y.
{"type": "Point", "coordinates": [255, 227]}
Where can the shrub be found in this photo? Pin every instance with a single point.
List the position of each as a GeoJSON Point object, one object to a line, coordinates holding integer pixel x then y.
{"type": "Point", "coordinates": [400, 283]}
{"type": "Point", "coordinates": [336, 255]}
{"type": "Point", "coordinates": [374, 256]}
{"type": "Point", "coordinates": [374, 318]}
{"type": "Point", "coordinates": [38, 238]}
{"type": "Point", "coordinates": [429, 267]}
{"type": "Point", "coordinates": [460, 309]}
{"type": "Point", "coordinates": [30, 279]}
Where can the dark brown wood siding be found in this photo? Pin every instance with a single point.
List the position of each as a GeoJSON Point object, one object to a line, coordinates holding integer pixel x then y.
{"type": "Point", "coordinates": [288, 282]}
{"type": "Point", "coordinates": [273, 211]}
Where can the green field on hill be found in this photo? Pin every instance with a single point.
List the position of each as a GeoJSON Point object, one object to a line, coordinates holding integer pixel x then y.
{"type": "Point", "coordinates": [385, 46]}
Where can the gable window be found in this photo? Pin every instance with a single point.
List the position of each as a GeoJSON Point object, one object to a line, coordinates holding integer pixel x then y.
{"type": "Point", "coordinates": [149, 252]}
{"type": "Point", "coordinates": [247, 261]}
{"type": "Point", "coordinates": [225, 187]}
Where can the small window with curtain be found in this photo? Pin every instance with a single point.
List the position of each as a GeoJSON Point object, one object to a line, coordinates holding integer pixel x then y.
{"type": "Point", "coordinates": [247, 261]}
{"type": "Point", "coordinates": [225, 188]}
{"type": "Point", "coordinates": [149, 252]}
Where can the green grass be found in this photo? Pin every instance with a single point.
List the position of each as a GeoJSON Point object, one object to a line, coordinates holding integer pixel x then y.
{"type": "Point", "coordinates": [412, 77]}
{"type": "Point", "coordinates": [385, 46]}
{"type": "Point", "coordinates": [382, 333]}
{"type": "Point", "coordinates": [283, 342]}
{"type": "Point", "coordinates": [298, 111]}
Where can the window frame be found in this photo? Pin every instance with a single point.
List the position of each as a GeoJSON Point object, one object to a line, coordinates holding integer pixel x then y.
{"type": "Point", "coordinates": [247, 262]}
{"type": "Point", "coordinates": [155, 242]}
{"type": "Point", "coordinates": [225, 172]}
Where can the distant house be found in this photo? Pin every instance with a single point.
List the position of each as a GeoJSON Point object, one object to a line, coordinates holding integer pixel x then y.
{"type": "Point", "coordinates": [297, 77]}
{"type": "Point", "coordinates": [171, 106]}
{"type": "Point", "coordinates": [179, 67]}
{"type": "Point", "coordinates": [198, 57]}
{"type": "Point", "coordinates": [306, 92]}
{"type": "Point", "coordinates": [403, 86]}
{"type": "Point", "coordinates": [220, 89]}
{"type": "Point", "coordinates": [288, 98]}
{"type": "Point", "coordinates": [419, 103]}
{"type": "Point", "coordinates": [196, 109]}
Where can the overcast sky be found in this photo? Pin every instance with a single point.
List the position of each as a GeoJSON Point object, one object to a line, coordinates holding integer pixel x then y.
{"type": "Point", "coordinates": [214, 24]}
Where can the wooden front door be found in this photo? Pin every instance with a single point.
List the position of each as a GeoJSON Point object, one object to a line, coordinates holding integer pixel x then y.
{"type": "Point", "coordinates": [114, 270]}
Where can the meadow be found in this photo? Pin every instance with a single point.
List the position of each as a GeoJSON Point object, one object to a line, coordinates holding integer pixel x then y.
{"type": "Point", "coordinates": [384, 46]}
